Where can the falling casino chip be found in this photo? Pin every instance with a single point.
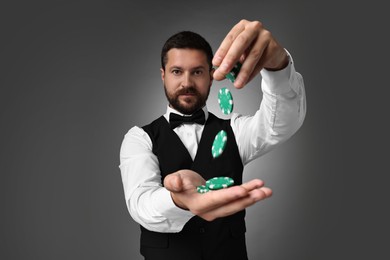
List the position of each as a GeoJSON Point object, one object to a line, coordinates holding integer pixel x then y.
{"type": "Point", "coordinates": [225, 101]}
{"type": "Point", "coordinates": [219, 144]}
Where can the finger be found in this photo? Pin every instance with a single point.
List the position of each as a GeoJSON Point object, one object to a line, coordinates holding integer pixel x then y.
{"type": "Point", "coordinates": [236, 51]}
{"type": "Point", "coordinates": [173, 182]}
{"type": "Point", "coordinates": [217, 198]}
{"type": "Point", "coordinates": [190, 179]}
{"type": "Point", "coordinates": [225, 47]}
{"type": "Point", "coordinates": [254, 196]}
{"type": "Point", "coordinates": [253, 184]}
{"type": "Point", "coordinates": [268, 192]}
{"type": "Point", "coordinates": [254, 59]}
{"type": "Point", "coordinates": [227, 42]}
{"type": "Point", "coordinates": [239, 47]}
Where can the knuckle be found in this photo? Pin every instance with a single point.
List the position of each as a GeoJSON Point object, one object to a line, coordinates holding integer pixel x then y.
{"type": "Point", "coordinates": [267, 33]}
{"type": "Point", "coordinates": [243, 39]}
{"type": "Point", "coordinates": [243, 21]}
{"type": "Point", "coordinates": [230, 38]}
{"type": "Point", "coordinates": [229, 59]}
{"type": "Point", "coordinates": [256, 54]}
{"type": "Point", "coordinates": [222, 51]}
{"type": "Point", "coordinates": [256, 25]}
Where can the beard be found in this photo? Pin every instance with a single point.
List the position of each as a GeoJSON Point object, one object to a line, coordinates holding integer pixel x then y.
{"type": "Point", "coordinates": [187, 107]}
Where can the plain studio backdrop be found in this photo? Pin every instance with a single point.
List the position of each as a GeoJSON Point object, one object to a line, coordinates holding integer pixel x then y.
{"type": "Point", "coordinates": [77, 75]}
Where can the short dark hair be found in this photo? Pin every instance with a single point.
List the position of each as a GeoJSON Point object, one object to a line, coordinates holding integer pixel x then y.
{"type": "Point", "coordinates": [186, 40]}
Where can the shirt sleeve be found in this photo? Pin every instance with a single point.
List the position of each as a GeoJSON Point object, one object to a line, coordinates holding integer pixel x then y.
{"type": "Point", "coordinates": [281, 113]}
{"type": "Point", "coordinates": [148, 202]}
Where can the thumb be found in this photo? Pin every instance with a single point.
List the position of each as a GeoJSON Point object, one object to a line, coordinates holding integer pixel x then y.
{"type": "Point", "coordinates": [173, 182]}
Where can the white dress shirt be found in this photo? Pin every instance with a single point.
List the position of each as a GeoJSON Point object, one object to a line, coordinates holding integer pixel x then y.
{"type": "Point", "coordinates": [281, 113]}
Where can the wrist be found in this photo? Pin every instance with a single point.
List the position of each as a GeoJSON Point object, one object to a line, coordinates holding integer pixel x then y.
{"type": "Point", "coordinates": [282, 63]}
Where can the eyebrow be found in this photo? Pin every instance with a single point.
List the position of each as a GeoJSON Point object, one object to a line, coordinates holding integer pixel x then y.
{"type": "Point", "coordinates": [181, 68]}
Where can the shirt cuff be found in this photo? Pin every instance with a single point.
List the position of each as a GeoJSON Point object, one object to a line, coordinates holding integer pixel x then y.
{"type": "Point", "coordinates": [164, 204]}
{"type": "Point", "coordinates": [278, 82]}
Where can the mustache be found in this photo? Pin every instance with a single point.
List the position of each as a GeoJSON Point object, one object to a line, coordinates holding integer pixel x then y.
{"type": "Point", "coordinates": [187, 90]}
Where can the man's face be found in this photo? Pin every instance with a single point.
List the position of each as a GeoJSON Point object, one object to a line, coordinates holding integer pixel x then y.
{"type": "Point", "coordinates": [187, 79]}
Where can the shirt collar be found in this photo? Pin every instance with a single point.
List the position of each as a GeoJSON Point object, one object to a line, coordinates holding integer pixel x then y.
{"type": "Point", "coordinates": [172, 110]}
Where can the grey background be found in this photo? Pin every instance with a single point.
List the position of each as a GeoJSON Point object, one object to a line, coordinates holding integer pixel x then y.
{"type": "Point", "coordinates": [77, 75]}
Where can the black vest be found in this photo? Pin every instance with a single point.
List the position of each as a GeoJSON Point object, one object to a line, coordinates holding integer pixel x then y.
{"type": "Point", "coordinates": [174, 156]}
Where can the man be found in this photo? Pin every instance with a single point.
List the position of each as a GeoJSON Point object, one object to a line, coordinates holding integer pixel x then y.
{"type": "Point", "coordinates": [163, 163]}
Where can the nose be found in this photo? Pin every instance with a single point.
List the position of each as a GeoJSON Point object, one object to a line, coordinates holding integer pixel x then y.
{"type": "Point", "coordinates": [187, 80]}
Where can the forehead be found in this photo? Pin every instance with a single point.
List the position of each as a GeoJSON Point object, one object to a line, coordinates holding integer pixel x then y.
{"type": "Point", "coordinates": [186, 58]}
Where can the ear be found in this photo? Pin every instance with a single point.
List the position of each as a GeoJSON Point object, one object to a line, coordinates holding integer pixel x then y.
{"type": "Point", "coordinates": [162, 74]}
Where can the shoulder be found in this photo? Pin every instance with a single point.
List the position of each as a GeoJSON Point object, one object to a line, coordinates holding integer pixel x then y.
{"type": "Point", "coordinates": [135, 132]}
{"type": "Point", "coordinates": [136, 139]}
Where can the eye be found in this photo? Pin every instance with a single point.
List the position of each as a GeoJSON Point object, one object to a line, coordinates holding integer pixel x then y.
{"type": "Point", "coordinates": [198, 72]}
{"type": "Point", "coordinates": [176, 72]}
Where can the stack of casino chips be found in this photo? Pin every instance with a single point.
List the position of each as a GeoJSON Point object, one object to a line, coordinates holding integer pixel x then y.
{"type": "Point", "coordinates": [215, 183]}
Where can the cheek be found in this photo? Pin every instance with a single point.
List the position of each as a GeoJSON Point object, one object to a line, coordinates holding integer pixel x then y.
{"type": "Point", "coordinates": [170, 83]}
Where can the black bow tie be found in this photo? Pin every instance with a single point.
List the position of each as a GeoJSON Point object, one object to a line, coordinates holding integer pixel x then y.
{"type": "Point", "coordinates": [198, 117]}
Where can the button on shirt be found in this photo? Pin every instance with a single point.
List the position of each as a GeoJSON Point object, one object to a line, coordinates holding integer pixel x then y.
{"type": "Point", "coordinates": [281, 113]}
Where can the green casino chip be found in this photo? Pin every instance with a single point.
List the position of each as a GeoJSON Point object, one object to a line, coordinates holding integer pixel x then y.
{"type": "Point", "coordinates": [202, 189]}
{"type": "Point", "coordinates": [232, 75]}
{"type": "Point", "coordinates": [219, 144]}
{"type": "Point", "coordinates": [218, 183]}
{"type": "Point", "coordinates": [225, 101]}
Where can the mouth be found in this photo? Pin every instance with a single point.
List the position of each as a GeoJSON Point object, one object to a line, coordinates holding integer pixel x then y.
{"type": "Point", "coordinates": [187, 94]}
{"type": "Point", "coordinates": [187, 98]}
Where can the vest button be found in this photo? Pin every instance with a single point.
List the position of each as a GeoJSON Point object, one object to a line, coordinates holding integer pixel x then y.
{"type": "Point", "coordinates": [202, 230]}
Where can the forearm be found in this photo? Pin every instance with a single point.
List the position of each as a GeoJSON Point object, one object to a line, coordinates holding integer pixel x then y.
{"type": "Point", "coordinates": [148, 202]}
{"type": "Point", "coordinates": [153, 208]}
{"type": "Point", "coordinates": [281, 113]}
{"type": "Point", "coordinates": [283, 107]}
